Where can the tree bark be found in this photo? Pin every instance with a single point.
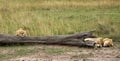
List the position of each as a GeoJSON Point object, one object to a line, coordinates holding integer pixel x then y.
{"type": "Point", "coordinates": [72, 39]}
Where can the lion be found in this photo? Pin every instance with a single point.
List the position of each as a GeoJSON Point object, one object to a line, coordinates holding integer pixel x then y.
{"type": "Point", "coordinates": [98, 41]}
{"type": "Point", "coordinates": [21, 32]}
{"type": "Point", "coordinates": [107, 42]}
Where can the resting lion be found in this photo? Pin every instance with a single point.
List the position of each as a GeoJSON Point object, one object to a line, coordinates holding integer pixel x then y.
{"type": "Point", "coordinates": [107, 42]}
{"type": "Point", "coordinates": [99, 41]}
{"type": "Point", "coordinates": [21, 32]}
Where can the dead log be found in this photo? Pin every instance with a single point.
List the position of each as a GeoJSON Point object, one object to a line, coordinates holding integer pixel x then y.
{"type": "Point", "coordinates": [73, 39]}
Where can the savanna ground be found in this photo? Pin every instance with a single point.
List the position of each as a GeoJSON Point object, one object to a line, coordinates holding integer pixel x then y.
{"type": "Point", "coordinates": [59, 17]}
{"type": "Point", "coordinates": [58, 53]}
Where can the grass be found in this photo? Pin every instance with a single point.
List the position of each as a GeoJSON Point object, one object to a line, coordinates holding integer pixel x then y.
{"type": "Point", "coordinates": [7, 52]}
{"type": "Point", "coordinates": [17, 51]}
{"type": "Point", "coordinates": [58, 17]}
{"type": "Point", "coordinates": [13, 51]}
{"type": "Point", "coordinates": [21, 52]}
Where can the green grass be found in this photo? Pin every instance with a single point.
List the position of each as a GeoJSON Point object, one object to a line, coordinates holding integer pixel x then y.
{"type": "Point", "coordinates": [7, 52]}
{"type": "Point", "coordinates": [13, 51]}
{"type": "Point", "coordinates": [21, 52]}
{"type": "Point", "coordinates": [56, 17]}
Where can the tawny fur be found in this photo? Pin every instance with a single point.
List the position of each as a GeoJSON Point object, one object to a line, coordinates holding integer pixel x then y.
{"type": "Point", "coordinates": [21, 32]}
{"type": "Point", "coordinates": [99, 41]}
{"type": "Point", "coordinates": [107, 42]}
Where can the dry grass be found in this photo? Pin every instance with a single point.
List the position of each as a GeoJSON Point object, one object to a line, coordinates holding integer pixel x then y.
{"type": "Point", "coordinates": [34, 4]}
{"type": "Point", "coordinates": [55, 17]}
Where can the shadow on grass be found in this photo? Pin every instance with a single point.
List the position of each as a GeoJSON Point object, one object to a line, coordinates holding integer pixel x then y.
{"type": "Point", "coordinates": [33, 44]}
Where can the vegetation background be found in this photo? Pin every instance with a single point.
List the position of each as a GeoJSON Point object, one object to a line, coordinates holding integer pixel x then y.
{"type": "Point", "coordinates": [58, 17]}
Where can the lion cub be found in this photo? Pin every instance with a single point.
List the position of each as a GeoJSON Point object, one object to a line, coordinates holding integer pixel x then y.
{"type": "Point", "coordinates": [99, 41]}
{"type": "Point", "coordinates": [21, 32]}
{"type": "Point", "coordinates": [107, 42]}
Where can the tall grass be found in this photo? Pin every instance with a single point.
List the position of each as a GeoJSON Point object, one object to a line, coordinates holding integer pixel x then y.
{"type": "Point", "coordinates": [56, 17]}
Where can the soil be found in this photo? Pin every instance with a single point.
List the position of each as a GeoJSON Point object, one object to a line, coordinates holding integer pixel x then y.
{"type": "Point", "coordinates": [76, 54]}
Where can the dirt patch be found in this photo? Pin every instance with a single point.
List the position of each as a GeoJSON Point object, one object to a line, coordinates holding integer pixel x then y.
{"type": "Point", "coordinates": [72, 54]}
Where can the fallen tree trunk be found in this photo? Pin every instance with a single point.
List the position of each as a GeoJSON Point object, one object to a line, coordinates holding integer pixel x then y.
{"type": "Point", "coordinates": [73, 39]}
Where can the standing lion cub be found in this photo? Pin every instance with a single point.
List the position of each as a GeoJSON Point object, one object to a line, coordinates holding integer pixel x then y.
{"type": "Point", "coordinates": [21, 32]}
